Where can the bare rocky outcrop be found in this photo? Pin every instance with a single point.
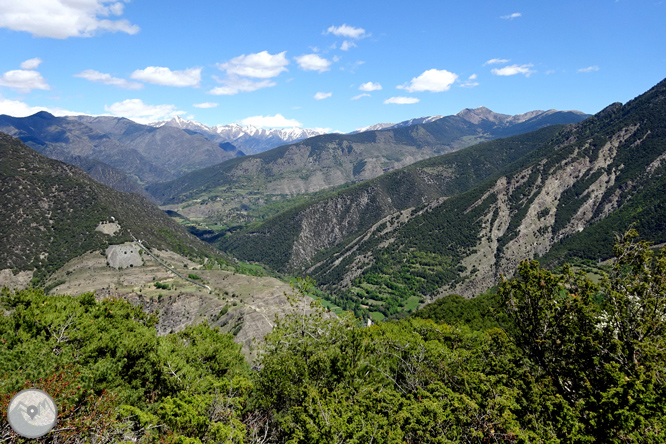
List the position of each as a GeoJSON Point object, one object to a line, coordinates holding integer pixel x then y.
{"type": "Point", "coordinates": [108, 228]}
{"type": "Point", "coordinates": [124, 256]}
{"type": "Point", "coordinates": [18, 281]}
{"type": "Point", "coordinates": [246, 306]}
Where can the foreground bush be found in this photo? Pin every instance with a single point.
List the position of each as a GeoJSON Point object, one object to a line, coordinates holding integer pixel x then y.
{"type": "Point", "coordinates": [574, 362]}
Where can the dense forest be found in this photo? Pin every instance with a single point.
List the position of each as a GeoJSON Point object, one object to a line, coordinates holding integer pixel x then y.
{"type": "Point", "coordinates": [562, 360]}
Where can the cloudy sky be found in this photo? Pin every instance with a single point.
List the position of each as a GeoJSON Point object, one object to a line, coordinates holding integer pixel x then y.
{"type": "Point", "coordinates": [339, 65]}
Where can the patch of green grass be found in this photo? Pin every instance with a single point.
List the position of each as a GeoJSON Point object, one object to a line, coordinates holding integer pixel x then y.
{"type": "Point", "coordinates": [412, 303]}
{"type": "Point", "coordinates": [377, 316]}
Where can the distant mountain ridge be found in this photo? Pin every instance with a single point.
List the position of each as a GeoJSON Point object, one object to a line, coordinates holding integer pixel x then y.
{"type": "Point", "coordinates": [331, 160]}
{"type": "Point", "coordinates": [476, 115]}
{"type": "Point", "coordinates": [410, 122]}
{"type": "Point", "coordinates": [472, 115]}
{"type": "Point", "coordinates": [145, 154]}
{"type": "Point", "coordinates": [249, 139]}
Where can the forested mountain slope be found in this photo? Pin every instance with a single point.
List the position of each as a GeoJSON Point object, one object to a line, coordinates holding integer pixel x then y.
{"type": "Point", "coordinates": [291, 239]}
{"type": "Point", "coordinates": [50, 211]}
{"type": "Point", "coordinates": [608, 169]}
{"type": "Point", "coordinates": [605, 173]}
{"type": "Point", "coordinates": [102, 173]}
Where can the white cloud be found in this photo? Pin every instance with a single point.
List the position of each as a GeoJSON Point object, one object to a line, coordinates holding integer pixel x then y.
{"type": "Point", "coordinates": [261, 65]}
{"type": "Point", "coordinates": [22, 109]}
{"type": "Point", "coordinates": [470, 82]}
{"type": "Point", "coordinates": [322, 95]}
{"type": "Point", "coordinates": [276, 121]}
{"type": "Point", "coordinates": [107, 79]}
{"type": "Point", "coordinates": [511, 16]}
{"type": "Point", "coordinates": [369, 86]}
{"type": "Point", "coordinates": [61, 19]}
{"type": "Point", "coordinates": [136, 110]}
{"type": "Point", "coordinates": [312, 62]}
{"type": "Point", "coordinates": [360, 96]}
{"type": "Point", "coordinates": [432, 80]}
{"type": "Point", "coordinates": [589, 69]}
{"type": "Point", "coordinates": [24, 80]}
{"type": "Point", "coordinates": [31, 64]}
{"type": "Point", "coordinates": [495, 61]}
{"type": "Point", "coordinates": [164, 76]}
{"type": "Point", "coordinates": [234, 85]}
{"type": "Point", "coordinates": [401, 100]}
{"type": "Point", "coordinates": [346, 45]}
{"type": "Point", "coordinates": [513, 70]}
{"type": "Point", "coordinates": [206, 105]}
{"type": "Point", "coordinates": [347, 31]}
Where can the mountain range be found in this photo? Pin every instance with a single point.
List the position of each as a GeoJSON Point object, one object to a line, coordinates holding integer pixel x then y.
{"type": "Point", "coordinates": [248, 139]}
{"type": "Point", "coordinates": [457, 222]}
{"type": "Point", "coordinates": [401, 216]}
{"type": "Point", "coordinates": [144, 153]}
{"type": "Point", "coordinates": [224, 193]}
{"type": "Point", "coordinates": [126, 155]}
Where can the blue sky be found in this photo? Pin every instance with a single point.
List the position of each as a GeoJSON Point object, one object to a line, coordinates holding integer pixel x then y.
{"type": "Point", "coordinates": [339, 65]}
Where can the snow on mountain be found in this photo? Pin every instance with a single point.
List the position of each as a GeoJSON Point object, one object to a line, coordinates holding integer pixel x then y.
{"type": "Point", "coordinates": [249, 139]}
{"type": "Point", "coordinates": [181, 123]}
{"type": "Point", "coordinates": [410, 122]}
{"type": "Point", "coordinates": [235, 131]}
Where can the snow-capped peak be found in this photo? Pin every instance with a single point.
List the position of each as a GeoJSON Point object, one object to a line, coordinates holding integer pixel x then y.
{"type": "Point", "coordinates": [179, 122]}
{"type": "Point", "coordinates": [248, 139]}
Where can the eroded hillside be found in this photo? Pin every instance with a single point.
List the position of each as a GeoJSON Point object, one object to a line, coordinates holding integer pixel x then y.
{"type": "Point", "coordinates": [182, 292]}
{"type": "Point", "coordinates": [291, 240]}
{"type": "Point", "coordinates": [568, 195]}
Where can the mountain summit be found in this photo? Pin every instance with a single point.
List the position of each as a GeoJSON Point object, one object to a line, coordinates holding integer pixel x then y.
{"type": "Point", "coordinates": [477, 115]}
{"type": "Point", "coordinates": [249, 139]}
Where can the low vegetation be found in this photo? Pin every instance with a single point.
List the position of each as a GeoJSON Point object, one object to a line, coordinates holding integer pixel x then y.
{"type": "Point", "coordinates": [566, 360]}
